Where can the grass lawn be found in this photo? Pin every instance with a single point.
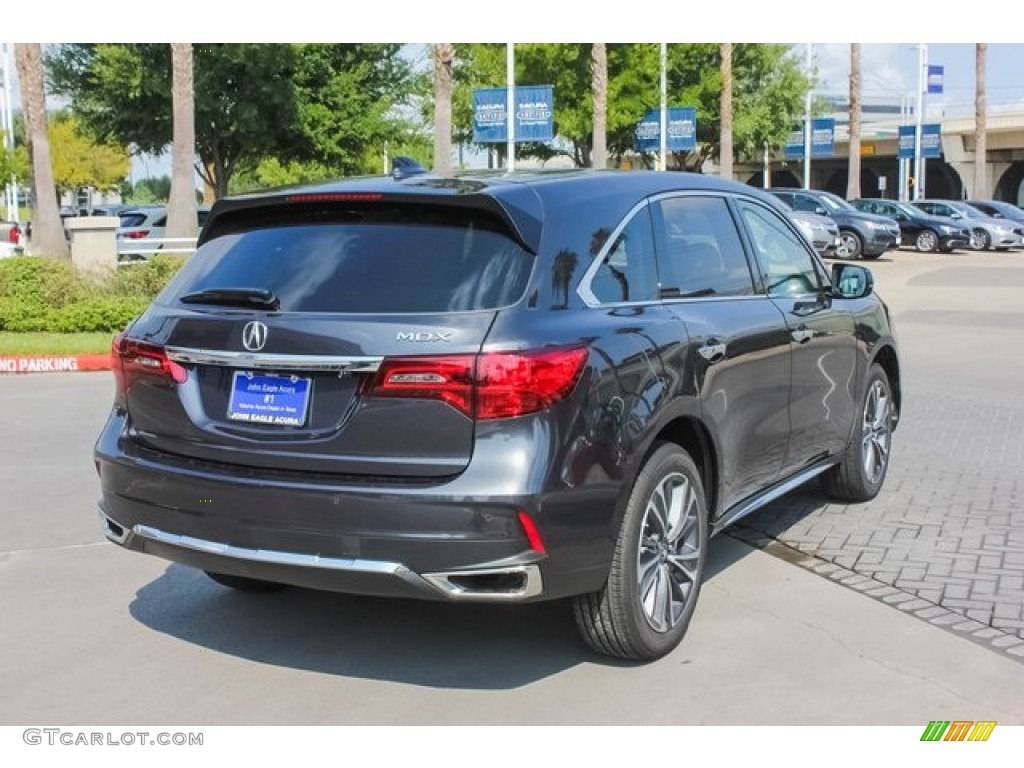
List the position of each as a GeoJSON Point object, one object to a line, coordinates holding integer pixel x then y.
{"type": "Point", "coordinates": [54, 343]}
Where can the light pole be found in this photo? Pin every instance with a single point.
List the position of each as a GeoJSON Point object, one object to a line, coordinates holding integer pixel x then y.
{"type": "Point", "coordinates": [510, 107]}
{"type": "Point", "coordinates": [922, 67]}
{"type": "Point", "coordinates": [7, 126]}
{"type": "Point", "coordinates": [807, 122]}
{"type": "Point", "coordinates": [664, 107]}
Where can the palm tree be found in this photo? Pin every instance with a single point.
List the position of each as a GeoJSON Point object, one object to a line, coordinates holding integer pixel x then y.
{"type": "Point", "coordinates": [181, 207]}
{"type": "Point", "coordinates": [599, 93]}
{"type": "Point", "coordinates": [444, 57]}
{"type": "Point", "coordinates": [853, 176]}
{"type": "Point", "coordinates": [980, 123]}
{"type": "Point", "coordinates": [725, 141]}
{"type": "Point", "coordinates": [47, 231]}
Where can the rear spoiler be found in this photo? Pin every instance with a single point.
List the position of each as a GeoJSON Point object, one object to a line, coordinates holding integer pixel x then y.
{"type": "Point", "coordinates": [516, 205]}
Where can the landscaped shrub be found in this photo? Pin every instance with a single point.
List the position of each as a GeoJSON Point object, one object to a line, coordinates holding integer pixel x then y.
{"type": "Point", "coordinates": [40, 294]}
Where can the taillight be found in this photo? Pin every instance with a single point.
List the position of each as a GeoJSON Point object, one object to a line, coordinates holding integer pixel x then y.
{"type": "Point", "coordinates": [138, 234]}
{"type": "Point", "coordinates": [131, 359]}
{"type": "Point", "coordinates": [449, 379]}
{"type": "Point", "coordinates": [14, 234]}
{"type": "Point", "coordinates": [517, 383]}
{"type": "Point", "coordinates": [494, 385]}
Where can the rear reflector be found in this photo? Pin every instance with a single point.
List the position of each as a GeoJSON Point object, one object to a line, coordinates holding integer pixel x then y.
{"type": "Point", "coordinates": [494, 385]}
{"type": "Point", "coordinates": [532, 534]}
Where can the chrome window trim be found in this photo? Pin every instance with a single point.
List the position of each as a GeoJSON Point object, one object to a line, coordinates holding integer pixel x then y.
{"type": "Point", "coordinates": [273, 362]}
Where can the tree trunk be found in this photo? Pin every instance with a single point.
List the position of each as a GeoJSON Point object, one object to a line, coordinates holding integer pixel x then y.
{"type": "Point", "coordinates": [725, 140]}
{"type": "Point", "coordinates": [981, 191]}
{"type": "Point", "coordinates": [853, 175]}
{"type": "Point", "coordinates": [181, 207]}
{"type": "Point", "coordinates": [444, 56]}
{"type": "Point", "coordinates": [47, 230]}
{"type": "Point", "coordinates": [599, 92]}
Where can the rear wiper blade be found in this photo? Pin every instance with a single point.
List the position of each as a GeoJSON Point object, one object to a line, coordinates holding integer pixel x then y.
{"type": "Point", "coordinates": [259, 298]}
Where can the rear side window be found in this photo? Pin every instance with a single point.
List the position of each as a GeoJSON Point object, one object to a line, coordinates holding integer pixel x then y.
{"type": "Point", "coordinates": [628, 271]}
{"type": "Point", "coordinates": [390, 261]}
{"type": "Point", "coordinates": [702, 254]}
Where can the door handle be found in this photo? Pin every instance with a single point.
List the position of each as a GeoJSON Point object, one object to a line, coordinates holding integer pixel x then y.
{"type": "Point", "coordinates": [802, 335]}
{"type": "Point", "coordinates": [713, 351]}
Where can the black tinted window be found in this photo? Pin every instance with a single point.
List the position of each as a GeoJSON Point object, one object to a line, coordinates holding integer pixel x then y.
{"type": "Point", "coordinates": [702, 255]}
{"type": "Point", "coordinates": [628, 271]}
{"type": "Point", "coordinates": [452, 263]}
{"type": "Point", "coordinates": [786, 265]}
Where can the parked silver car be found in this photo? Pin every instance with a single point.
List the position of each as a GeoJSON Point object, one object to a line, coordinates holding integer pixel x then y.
{"type": "Point", "coordinates": [986, 232]}
{"type": "Point", "coordinates": [142, 227]}
{"type": "Point", "coordinates": [821, 231]}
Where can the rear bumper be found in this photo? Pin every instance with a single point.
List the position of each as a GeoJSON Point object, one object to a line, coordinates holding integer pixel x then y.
{"type": "Point", "coordinates": [458, 538]}
{"type": "Point", "coordinates": [510, 581]}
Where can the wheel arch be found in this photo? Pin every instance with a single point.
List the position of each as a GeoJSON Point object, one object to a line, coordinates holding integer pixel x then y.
{"type": "Point", "coordinates": [690, 434]}
{"type": "Point", "coordinates": [886, 357]}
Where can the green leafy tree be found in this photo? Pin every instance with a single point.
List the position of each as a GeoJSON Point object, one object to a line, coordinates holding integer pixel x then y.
{"type": "Point", "coordinates": [309, 103]}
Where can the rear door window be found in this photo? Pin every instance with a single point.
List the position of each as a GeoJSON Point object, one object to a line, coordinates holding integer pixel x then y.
{"type": "Point", "coordinates": [700, 251]}
{"type": "Point", "coordinates": [628, 271]}
{"type": "Point", "coordinates": [389, 260]}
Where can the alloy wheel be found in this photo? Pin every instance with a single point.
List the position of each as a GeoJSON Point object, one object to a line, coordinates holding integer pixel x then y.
{"type": "Point", "coordinates": [926, 241]}
{"type": "Point", "coordinates": [877, 432]}
{"type": "Point", "coordinates": [669, 552]}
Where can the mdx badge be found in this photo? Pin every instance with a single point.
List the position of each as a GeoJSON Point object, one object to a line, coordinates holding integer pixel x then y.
{"type": "Point", "coordinates": [254, 336]}
{"type": "Point", "coordinates": [425, 335]}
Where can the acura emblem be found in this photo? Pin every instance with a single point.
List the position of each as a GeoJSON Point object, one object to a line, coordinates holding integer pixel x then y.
{"type": "Point", "coordinates": [254, 336]}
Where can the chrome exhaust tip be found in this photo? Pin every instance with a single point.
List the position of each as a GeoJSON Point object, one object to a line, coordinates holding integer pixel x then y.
{"type": "Point", "coordinates": [113, 530]}
{"type": "Point", "coordinates": [510, 583]}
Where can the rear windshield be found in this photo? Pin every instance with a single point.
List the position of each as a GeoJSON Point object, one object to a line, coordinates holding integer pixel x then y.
{"type": "Point", "coordinates": [387, 262]}
{"type": "Point", "coordinates": [132, 219]}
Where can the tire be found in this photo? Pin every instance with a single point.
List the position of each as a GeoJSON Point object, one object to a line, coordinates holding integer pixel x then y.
{"type": "Point", "coordinates": [926, 241]}
{"type": "Point", "coordinates": [646, 605]}
{"type": "Point", "coordinates": [244, 584]}
{"type": "Point", "coordinates": [859, 477]}
{"type": "Point", "coordinates": [851, 245]}
{"type": "Point", "coordinates": [980, 240]}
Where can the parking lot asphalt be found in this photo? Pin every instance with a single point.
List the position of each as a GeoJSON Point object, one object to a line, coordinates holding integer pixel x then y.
{"type": "Point", "coordinates": [784, 633]}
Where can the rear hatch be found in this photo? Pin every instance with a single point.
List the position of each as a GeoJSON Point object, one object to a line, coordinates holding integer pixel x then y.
{"type": "Point", "coordinates": [320, 338]}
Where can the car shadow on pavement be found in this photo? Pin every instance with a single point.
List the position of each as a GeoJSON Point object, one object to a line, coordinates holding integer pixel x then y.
{"type": "Point", "coordinates": [433, 644]}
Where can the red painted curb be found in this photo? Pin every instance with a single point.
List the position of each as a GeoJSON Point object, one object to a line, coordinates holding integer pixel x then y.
{"type": "Point", "coordinates": [53, 363]}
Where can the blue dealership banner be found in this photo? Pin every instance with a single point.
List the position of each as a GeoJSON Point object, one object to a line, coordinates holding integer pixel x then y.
{"type": "Point", "coordinates": [936, 74]}
{"type": "Point", "coordinates": [534, 118]}
{"type": "Point", "coordinates": [931, 141]}
{"type": "Point", "coordinates": [823, 137]}
{"type": "Point", "coordinates": [681, 135]}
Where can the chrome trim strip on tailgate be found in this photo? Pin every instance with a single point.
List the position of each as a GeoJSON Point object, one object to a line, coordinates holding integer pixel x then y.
{"type": "Point", "coordinates": [274, 362]}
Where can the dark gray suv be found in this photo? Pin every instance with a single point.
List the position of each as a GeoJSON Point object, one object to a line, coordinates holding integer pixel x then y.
{"type": "Point", "coordinates": [502, 388]}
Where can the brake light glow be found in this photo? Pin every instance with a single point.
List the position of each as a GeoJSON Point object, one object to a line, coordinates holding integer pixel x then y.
{"type": "Point", "coordinates": [138, 234]}
{"type": "Point", "coordinates": [131, 359]}
{"type": "Point", "coordinates": [335, 197]}
{"type": "Point", "coordinates": [493, 385]}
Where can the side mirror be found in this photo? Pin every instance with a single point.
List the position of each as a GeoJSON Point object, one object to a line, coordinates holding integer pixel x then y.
{"type": "Point", "coordinates": [820, 210]}
{"type": "Point", "coordinates": [851, 281]}
{"type": "Point", "coordinates": [956, 216]}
